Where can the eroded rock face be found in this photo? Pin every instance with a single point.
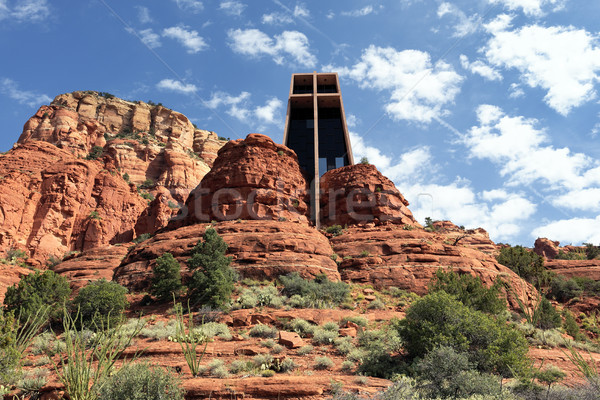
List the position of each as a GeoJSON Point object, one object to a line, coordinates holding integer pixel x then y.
{"type": "Point", "coordinates": [409, 259]}
{"type": "Point", "coordinates": [52, 203]}
{"type": "Point", "coordinates": [251, 179]}
{"type": "Point", "coordinates": [575, 268]}
{"type": "Point", "coordinates": [546, 248]}
{"type": "Point", "coordinates": [359, 194]}
{"type": "Point", "coordinates": [476, 238]}
{"type": "Point", "coordinates": [260, 250]}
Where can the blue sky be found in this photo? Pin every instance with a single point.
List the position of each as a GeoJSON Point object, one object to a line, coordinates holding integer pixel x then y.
{"type": "Point", "coordinates": [484, 112]}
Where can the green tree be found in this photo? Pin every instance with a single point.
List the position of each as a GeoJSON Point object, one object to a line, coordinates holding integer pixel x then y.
{"type": "Point", "coordinates": [37, 290]}
{"type": "Point", "coordinates": [213, 278]}
{"type": "Point", "coordinates": [548, 316]}
{"type": "Point", "coordinates": [591, 251]}
{"type": "Point", "coordinates": [470, 291]}
{"type": "Point", "coordinates": [439, 319]}
{"type": "Point", "coordinates": [100, 304]}
{"type": "Point", "coordinates": [527, 264]}
{"type": "Point", "coordinates": [166, 278]}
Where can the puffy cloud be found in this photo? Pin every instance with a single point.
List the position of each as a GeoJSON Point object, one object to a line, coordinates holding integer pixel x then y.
{"type": "Point", "coordinates": [480, 68]}
{"type": "Point", "coordinates": [241, 108]}
{"type": "Point", "coordinates": [530, 7]}
{"type": "Point", "coordinates": [177, 86]}
{"type": "Point", "coordinates": [300, 11]}
{"type": "Point", "coordinates": [565, 61]}
{"type": "Point", "coordinates": [149, 38]}
{"type": "Point", "coordinates": [276, 19]}
{"type": "Point", "coordinates": [464, 25]}
{"type": "Point", "coordinates": [574, 230]}
{"type": "Point", "coordinates": [193, 6]}
{"type": "Point", "coordinates": [418, 89]}
{"type": "Point", "coordinates": [188, 38]}
{"type": "Point", "coordinates": [360, 12]}
{"type": "Point", "coordinates": [10, 88]}
{"type": "Point", "coordinates": [579, 199]}
{"type": "Point", "coordinates": [255, 43]}
{"type": "Point", "coordinates": [517, 145]}
{"type": "Point", "coordinates": [232, 7]}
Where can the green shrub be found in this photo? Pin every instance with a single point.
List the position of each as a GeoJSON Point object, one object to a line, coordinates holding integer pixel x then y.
{"type": "Point", "coordinates": [147, 184]}
{"type": "Point", "coordinates": [238, 366]}
{"type": "Point", "coordinates": [94, 215]}
{"type": "Point", "coordinates": [470, 291]}
{"type": "Point", "coordinates": [212, 329]}
{"type": "Point", "coordinates": [95, 153]}
{"type": "Point", "coordinates": [376, 304]}
{"type": "Point", "coordinates": [142, 381]}
{"type": "Point", "coordinates": [287, 365]}
{"type": "Point", "coordinates": [347, 366]}
{"type": "Point", "coordinates": [323, 363]}
{"type": "Point", "coordinates": [364, 160]}
{"type": "Point", "coordinates": [527, 264]}
{"type": "Point", "coordinates": [343, 345]}
{"type": "Point", "coordinates": [166, 278]}
{"type": "Point", "coordinates": [126, 177]}
{"type": "Point", "coordinates": [438, 319]}
{"type": "Point", "coordinates": [213, 278]}
{"type": "Point", "coordinates": [304, 350]}
{"type": "Point", "coordinates": [141, 238]}
{"type": "Point", "coordinates": [447, 374]}
{"type": "Point", "coordinates": [335, 230]}
{"type": "Point", "coordinates": [263, 361]}
{"type": "Point", "coordinates": [147, 196]}
{"type": "Point", "coordinates": [591, 251]}
{"type": "Point", "coordinates": [563, 290]}
{"type": "Point", "coordinates": [320, 292]}
{"type": "Point", "coordinates": [375, 355]}
{"type": "Point", "coordinates": [301, 327]}
{"type": "Point", "coordinates": [549, 318]}
{"type": "Point", "coordinates": [36, 290]}
{"type": "Point", "coordinates": [571, 255]}
{"type": "Point", "coordinates": [356, 319]}
{"type": "Point", "coordinates": [263, 331]}
{"type": "Point", "coordinates": [571, 326]}
{"type": "Point", "coordinates": [323, 336]}
{"type": "Point", "coordinates": [257, 296]}
{"type": "Point", "coordinates": [100, 304]}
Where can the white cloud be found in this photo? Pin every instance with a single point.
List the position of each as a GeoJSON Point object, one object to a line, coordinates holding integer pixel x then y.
{"type": "Point", "coordinates": [464, 25]}
{"type": "Point", "coordinates": [579, 199]}
{"type": "Point", "coordinates": [232, 7]}
{"type": "Point", "coordinates": [241, 108]}
{"type": "Point", "coordinates": [177, 86]}
{"type": "Point", "coordinates": [144, 15]}
{"type": "Point", "coordinates": [517, 146]}
{"type": "Point", "coordinates": [188, 38]}
{"type": "Point", "coordinates": [25, 10]}
{"type": "Point", "coordinates": [565, 61]}
{"type": "Point", "coordinates": [10, 88]}
{"type": "Point", "coordinates": [300, 11]}
{"type": "Point", "coordinates": [352, 120]}
{"type": "Point", "coordinates": [149, 38]}
{"type": "Point", "coordinates": [574, 230]}
{"type": "Point", "coordinates": [276, 19]}
{"type": "Point", "coordinates": [193, 6]}
{"type": "Point", "coordinates": [480, 68]}
{"type": "Point", "coordinates": [255, 43]}
{"type": "Point", "coordinates": [516, 91]}
{"type": "Point", "coordinates": [531, 7]}
{"type": "Point", "coordinates": [359, 13]}
{"type": "Point", "coordinates": [418, 89]}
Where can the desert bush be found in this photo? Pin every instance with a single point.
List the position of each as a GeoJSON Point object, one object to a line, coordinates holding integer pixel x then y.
{"type": "Point", "coordinates": [343, 345]}
{"type": "Point", "coordinates": [356, 319]}
{"type": "Point", "coordinates": [375, 354]}
{"type": "Point", "coordinates": [166, 278]}
{"type": "Point", "coordinates": [100, 304]}
{"type": "Point", "coordinates": [263, 361]}
{"type": "Point", "coordinates": [548, 316]}
{"type": "Point", "coordinates": [571, 255]}
{"type": "Point", "coordinates": [347, 366]}
{"type": "Point", "coordinates": [334, 230]}
{"type": "Point", "coordinates": [445, 373]}
{"type": "Point", "coordinates": [591, 251]}
{"type": "Point", "coordinates": [95, 153]}
{"type": "Point", "coordinates": [287, 365]}
{"type": "Point", "coordinates": [142, 238]}
{"type": "Point", "coordinates": [36, 290]}
{"type": "Point", "coordinates": [238, 366]}
{"type": "Point", "coordinates": [563, 290]}
{"type": "Point", "coordinates": [571, 326]}
{"type": "Point", "coordinates": [212, 329]}
{"type": "Point", "coordinates": [323, 363]}
{"type": "Point", "coordinates": [263, 331]}
{"type": "Point", "coordinates": [160, 331]}
{"type": "Point", "coordinates": [330, 326]}
{"type": "Point", "coordinates": [257, 296]}
{"type": "Point", "coordinates": [213, 278]}
{"type": "Point", "coordinates": [277, 349]}
{"type": "Point", "coordinates": [376, 304]}
{"type": "Point", "coordinates": [301, 327]}
{"type": "Point", "coordinates": [319, 293]}
{"type": "Point", "coordinates": [217, 369]}
{"type": "Point", "coordinates": [324, 336]}
{"type": "Point", "coordinates": [304, 350]}
{"type": "Point", "coordinates": [438, 319]}
{"type": "Point", "coordinates": [470, 291]}
{"type": "Point", "coordinates": [141, 381]}
{"type": "Point", "coordinates": [527, 264]}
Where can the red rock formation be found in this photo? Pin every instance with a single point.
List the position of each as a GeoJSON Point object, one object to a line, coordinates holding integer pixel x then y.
{"type": "Point", "coordinates": [476, 238]}
{"type": "Point", "coordinates": [253, 178]}
{"type": "Point", "coordinates": [546, 248]}
{"type": "Point", "coordinates": [359, 194]}
{"type": "Point", "coordinates": [260, 250]}
{"type": "Point", "coordinates": [409, 259]}
{"type": "Point", "coordinates": [572, 268]}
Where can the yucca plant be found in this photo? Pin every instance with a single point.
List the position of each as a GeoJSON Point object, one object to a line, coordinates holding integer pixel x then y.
{"type": "Point", "coordinates": [189, 339]}
{"type": "Point", "coordinates": [84, 367]}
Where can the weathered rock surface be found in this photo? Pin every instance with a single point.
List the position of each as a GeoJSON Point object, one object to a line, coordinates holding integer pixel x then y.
{"type": "Point", "coordinates": [254, 178]}
{"type": "Point", "coordinates": [260, 250]}
{"type": "Point", "coordinates": [91, 265]}
{"type": "Point", "coordinates": [476, 238]}
{"type": "Point", "coordinates": [53, 201]}
{"type": "Point", "coordinates": [409, 259]}
{"type": "Point", "coordinates": [575, 268]}
{"type": "Point", "coordinates": [10, 275]}
{"type": "Point", "coordinates": [546, 248]}
{"type": "Point", "coordinates": [359, 194]}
